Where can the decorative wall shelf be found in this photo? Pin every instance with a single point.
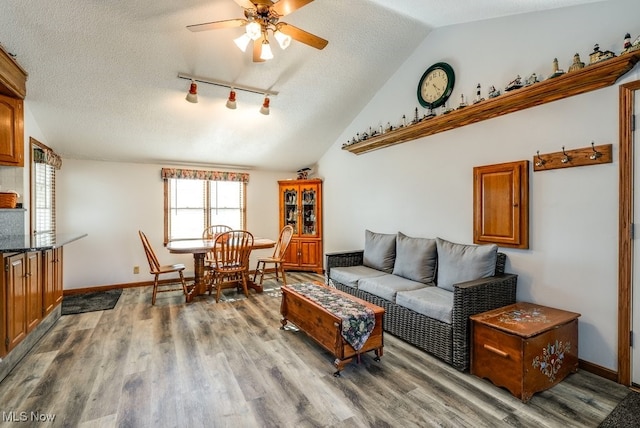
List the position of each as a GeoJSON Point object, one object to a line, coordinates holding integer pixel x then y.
{"type": "Point", "coordinates": [590, 78]}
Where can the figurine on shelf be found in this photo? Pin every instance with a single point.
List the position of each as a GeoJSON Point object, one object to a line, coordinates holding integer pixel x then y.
{"type": "Point", "coordinates": [416, 119]}
{"type": "Point", "coordinates": [514, 84]}
{"type": "Point", "coordinates": [364, 136]}
{"type": "Point", "coordinates": [463, 103]}
{"type": "Point", "coordinates": [531, 80]}
{"type": "Point", "coordinates": [478, 95]}
{"type": "Point", "coordinates": [577, 64]}
{"type": "Point", "coordinates": [404, 121]}
{"type": "Point", "coordinates": [597, 55]}
{"type": "Point", "coordinates": [493, 92]}
{"type": "Point", "coordinates": [429, 115]}
{"type": "Point", "coordinates": [556, 71]}
{"type": "Point", "coordinates": [389, 127]}
{"type": "Point", "coordinates": [446, 109]}
{"type": "Point", "coordinates": [629, 46]}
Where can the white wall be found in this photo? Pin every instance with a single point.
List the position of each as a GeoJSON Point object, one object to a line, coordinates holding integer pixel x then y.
{"type": "Point", "coordinates": [424, 187]}
{"type": "Point", "coordinates": [112, 201]}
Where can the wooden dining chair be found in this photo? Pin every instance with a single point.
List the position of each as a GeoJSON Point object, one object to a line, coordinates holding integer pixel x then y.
{"type": "Point", "coordinates": [231, 261]}
{"type": "Point", "coordinates": [277, 259]}
{"type": "Point", "coordinates": [210, 233]}
{"type": "Point", "coordinates": [156, 269]}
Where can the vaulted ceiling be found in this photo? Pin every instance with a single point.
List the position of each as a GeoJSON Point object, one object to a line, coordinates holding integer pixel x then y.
{"type": "Point", "coordinates": [103, 74]}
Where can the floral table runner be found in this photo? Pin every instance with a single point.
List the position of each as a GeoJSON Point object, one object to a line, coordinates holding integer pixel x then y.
{"type": "Point", "coordinates": [357, 320]}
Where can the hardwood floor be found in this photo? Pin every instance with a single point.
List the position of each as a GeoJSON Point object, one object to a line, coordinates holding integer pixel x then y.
{"type": "Point", "coordinates": [229, 364]}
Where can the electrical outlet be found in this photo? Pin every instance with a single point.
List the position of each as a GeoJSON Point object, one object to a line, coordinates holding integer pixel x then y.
{"type": "Point", "coordinates": [136, 269]}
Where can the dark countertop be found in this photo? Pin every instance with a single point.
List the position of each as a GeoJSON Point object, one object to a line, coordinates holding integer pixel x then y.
{"type": "Point", "coordinates": [24, 243]}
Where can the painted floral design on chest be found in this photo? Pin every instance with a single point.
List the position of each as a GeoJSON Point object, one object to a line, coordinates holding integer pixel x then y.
{"type": "Point", "coordinates": [551, 359]}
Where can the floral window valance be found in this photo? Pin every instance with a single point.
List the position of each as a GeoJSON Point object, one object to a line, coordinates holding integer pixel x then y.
{"type": "Point", "coordinates": [197, 174]}
{"type": "Point", "coordinates": [48, 157]}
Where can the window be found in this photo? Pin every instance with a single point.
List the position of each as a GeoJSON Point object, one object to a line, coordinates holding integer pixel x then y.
{"type": "Point", "coordinates": [195, 200]}
{"type": "Point", "coordinates": [44, 163]}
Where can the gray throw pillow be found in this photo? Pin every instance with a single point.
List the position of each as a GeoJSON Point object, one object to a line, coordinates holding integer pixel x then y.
{"type": "Point", "coordinates": [415, 258]}
{"type": "Point", "coordinates": [379, 251]}
{"type": "Point", "coordinates": [459, 262]}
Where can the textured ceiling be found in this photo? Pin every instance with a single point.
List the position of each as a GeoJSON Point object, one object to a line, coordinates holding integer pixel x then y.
{"type": "Point", "coordinates": [103, 75]}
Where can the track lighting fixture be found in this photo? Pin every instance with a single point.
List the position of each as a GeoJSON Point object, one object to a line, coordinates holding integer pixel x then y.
{"type": "Point", "coordinates": [265, 105]}
{"type": "Point", "coordinates": [192, 95]}
{"type": "Point", "coordinates": [231, 102]}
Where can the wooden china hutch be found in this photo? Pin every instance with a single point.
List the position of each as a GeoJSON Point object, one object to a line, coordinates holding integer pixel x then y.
{"type": "Point", "coordinates": [301, 207]}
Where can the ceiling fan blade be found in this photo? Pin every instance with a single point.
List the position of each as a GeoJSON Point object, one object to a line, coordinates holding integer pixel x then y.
{"type": "Point", "coordinates": [229, 23]}
{"type": "Point", "coordinates": [257, 50]}
{"type": "Point", "coordinates": [285, 7]}
{"type": "Point", "coordinates": [245, 4]}
{"type": "Point", "coordinates": [302, 36]}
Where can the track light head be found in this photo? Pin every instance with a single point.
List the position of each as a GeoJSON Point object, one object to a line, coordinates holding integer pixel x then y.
{"type": "Point", "coordinates": [265, 106]}
{"type": "Point", "coordinates": [192, 95]}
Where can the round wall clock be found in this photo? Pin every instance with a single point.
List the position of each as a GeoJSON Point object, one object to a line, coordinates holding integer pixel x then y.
{"type": "Point", "coordinates": [435, 85]}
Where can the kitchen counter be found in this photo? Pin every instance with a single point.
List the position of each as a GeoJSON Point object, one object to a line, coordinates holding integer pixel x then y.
{"type": "Point", "coordinates": [24, 243]}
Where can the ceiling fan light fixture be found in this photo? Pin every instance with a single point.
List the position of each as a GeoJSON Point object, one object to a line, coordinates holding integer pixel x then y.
{"type": "Point", "coordinates": [231, 102]}
{"type": "Point", "coordinates": [266, 53]}
{"type": "Point", "coordinates": [265, 106]}
{"type": "Point", "coordinates": [253, 30]}
{"type": "Point", "coordinates": [283, 40]}
{"type": "Point", "coordinates": [192, 95]}
{"type": "Point", "coordinates": [242, 42]}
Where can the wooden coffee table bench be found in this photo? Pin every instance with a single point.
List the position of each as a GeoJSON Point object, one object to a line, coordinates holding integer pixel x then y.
{"type": "Point", "coordinates": [325, 327]}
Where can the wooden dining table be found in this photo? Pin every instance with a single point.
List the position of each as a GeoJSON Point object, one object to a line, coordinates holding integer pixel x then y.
{"type": "Point", "coordinates": [199, 248]}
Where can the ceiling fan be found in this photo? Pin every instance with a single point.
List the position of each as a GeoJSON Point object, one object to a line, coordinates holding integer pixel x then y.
{"type": "Point", "coordinates": [262, 16]}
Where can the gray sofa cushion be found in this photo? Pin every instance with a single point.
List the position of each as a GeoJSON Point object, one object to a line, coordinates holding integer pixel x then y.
{"type": "Point", "coordinates": [460, 262]}
{"type": "Point", "coordinates": [349, 275]}
{"type": "Point", "coordinates": [386, 286]}
{"type": "Point", "coordinates": [434, 302]}
{"type": "Point", "coordinates": [379, 251]}
{"type": "Point", "coordinates": [416, 258]}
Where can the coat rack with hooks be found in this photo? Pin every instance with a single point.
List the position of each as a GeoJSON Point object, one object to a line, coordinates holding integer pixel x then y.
{"type": "Point", "coordinates": [592, 155]}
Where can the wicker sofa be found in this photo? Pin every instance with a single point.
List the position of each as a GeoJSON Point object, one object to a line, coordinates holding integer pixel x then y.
{"type": "Point", "coordinates": [419, 308]}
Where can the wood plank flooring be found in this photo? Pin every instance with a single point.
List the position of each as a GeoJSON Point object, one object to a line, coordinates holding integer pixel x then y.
{"type": "Point", "coordinates": [230, 365]}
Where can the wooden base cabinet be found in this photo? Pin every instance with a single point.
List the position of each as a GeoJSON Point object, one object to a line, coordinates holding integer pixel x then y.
{"type": "Point", "coordinates": [32, 284]}
{"type": "Point", "coordinates": [23, 289]}
{"type": "Point", "coordinates": [301, 207]}
{"type": "Point", "coordinates": [52, 279]}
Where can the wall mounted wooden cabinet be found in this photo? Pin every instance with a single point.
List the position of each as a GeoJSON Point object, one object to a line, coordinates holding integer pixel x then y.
{"type": "Point", "coordinates": [13, 78]}
{"type": "Point", "coordinates": [501, 204]}
{"type": "Point", "coordinates": [301, 207]}
{"type": "Point", "coordinates": [11, 131]}
{"type": "Point", "coordinates": [13, 89]}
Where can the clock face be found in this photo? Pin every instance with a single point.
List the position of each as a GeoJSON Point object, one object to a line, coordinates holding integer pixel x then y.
{"type": "Point", "coordinates": [436, 85]}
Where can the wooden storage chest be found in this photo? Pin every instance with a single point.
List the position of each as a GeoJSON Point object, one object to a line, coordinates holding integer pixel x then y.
{"type": "Point", "coordinates": [524, 348]}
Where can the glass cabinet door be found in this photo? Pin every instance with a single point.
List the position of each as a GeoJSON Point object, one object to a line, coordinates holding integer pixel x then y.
{"type": "Point", "coordinates": [291, 209]}
{"type": "Point", "coordinates": [309, 211]}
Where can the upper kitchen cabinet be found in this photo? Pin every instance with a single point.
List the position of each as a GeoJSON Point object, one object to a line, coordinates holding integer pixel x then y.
{"type": "Point", "coordinates": [13, 89]}
{"type": "Point", "coordinates": [13, 78]}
